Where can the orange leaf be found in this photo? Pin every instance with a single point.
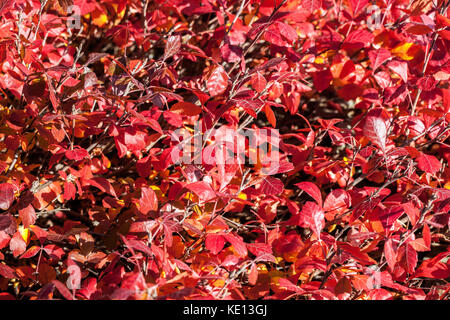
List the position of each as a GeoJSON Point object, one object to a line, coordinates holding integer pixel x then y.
{"type": "Point", "coordinates": [186, 108]}
{"type": "Point", "coordinates": [270, 115]}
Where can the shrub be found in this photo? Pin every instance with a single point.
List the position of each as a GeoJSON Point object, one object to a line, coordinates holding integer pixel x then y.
{"type": "Point", "coordinates": [224, 149]}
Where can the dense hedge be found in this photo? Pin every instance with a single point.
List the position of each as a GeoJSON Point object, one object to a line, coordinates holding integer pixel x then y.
{"type": "Point", "coordinates": [97, 203]}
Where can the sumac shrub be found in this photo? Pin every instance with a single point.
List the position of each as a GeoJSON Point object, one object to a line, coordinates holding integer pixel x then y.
{"type": "Point", "coordinates": [224, 149]}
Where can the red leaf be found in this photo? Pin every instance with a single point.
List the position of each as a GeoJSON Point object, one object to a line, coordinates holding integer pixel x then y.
{"type": "Point", "coordinates": [6, 296]}
{"type": "Point", "coordinates": [419, 29]}
{"type": "Point", "coordinates": [173, 45]}
{"type": "Point", "coordinates": [5, 5]}
{"type": "Point", "coordinates": [311, 189]}
{"type": "Point", "coordinates": [358, 39]}
{"type": "Point", "coordinates": [237, 244]}
{"type": "Point", "coordinates": [310, 138]}
{"type": "Point", "coordinates": [186, 108]}
{"type": "Point", "coordinates": [442, 21]}
{"type": "Point", "coordinates": [6, 195]}
{"type": "Point", "coordinates": [51, 91]}
{"type": "Point", "coordinates": [148, 201]}
{"type": "Point", "coordinates": [7, 272]}
{"type": "Point", "coordinates": [214, 242]}
{"type": "Point", "coordinates": [69, 190]}
{"type": "Point", "coordinates": [281, 167]}
{"type": "Point", "coordinates": [258, 82]}
{"type": "Point", "coordinates": [6, 221]}
{"type": "Point", "coordinates": [375, 129]}
{"type": "Point", "coordinates": [288, 285]}
{"type": "Point", "coordinates": [217, 82]}
{"type": "Point", "coordinates": [416, 127]}
{"type": "Point", "coordinates": [203, 190]}
{"type": "Point", "coordinates": [133, 244]}
{"type": "Point", "coordinates": [259, 249]}
{"type": "Point", "coordinates": [253, 275]}
{"type": "Point", "coordinates": [358, 5]}
{"type": "Point", "coordinates": [130, 139]}
{"type": "Point", "coordinates": [28, 215]}
{"type": "Point", "coordinates": [390, 253]}
{"type": "Point", "coordinates": [12, 142]}
{"type": "Point", "coordinates": [356, 253]}
{"type": "Point", "coordinates": [144, 167]}
{"type": "Point", "coordinates": [271, 186]}
{"type": "Point", "coordinates": [63, 289]}
{"type": "Point", "coordinates": [31, 252]}
{"type": "Point", "coordinates": [337, 201]}
{"type": "Point", "coordinates": [426, 235]}
{"type": "Point", "coordinates": [426, 83]}
{"type": "Point", "coordinates": [388, 216]}
{"type": "Point", "coordinates": [322, 79]}
{"type": "Point", "coordinates": [154, 125]}
{"type": "Point", "coordinates": [408, 258]}
{"type": "Point", "coordinates": [311, 5]}
{"type": "Point", "coordinates": [380, 294]}
{"type": "Point", "coordinates": [250, 105]}
{"type": "Point", "coordinates": [419, 245]}
{"type": "Point", "coordinates": [434, 268]}
{"type": "Point", "coordinates": [17, 244]}
{"type": "Point", "coordinates": [272, 34]}
{"type": "Point", "coordinates": [343, 286]}
{"type": "Point", "coordinates": [287, 31]}
{"type": "Point", "coordinates": [231, 53]}
{"type": "Point", "coordinates": [312, 217]}
{"type": "Point", "coordinates": [428, 163]}
{"type": "Point", "coordinates": [77, 154]}
{"type": "Point", "coordinates": [411, 211]}
{"type": "Point", "coordinates": [269, 64]}
{"type": "Point", "coordinates": [270, 115]}
{"type": "Point", "coordinates": [280, 34]}
{"type": "Point", "coordinates": [40, 233]}
{"type": "Point", "coordinates": [378, 57]}
{"type": "Point", "coordinates": [400, 68]}
{"type": "Point", "coordinates": [102, 184]}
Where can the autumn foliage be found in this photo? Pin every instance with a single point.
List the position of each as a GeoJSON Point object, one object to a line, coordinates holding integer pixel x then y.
{"type": "Point", "coordinates": [93, 205]}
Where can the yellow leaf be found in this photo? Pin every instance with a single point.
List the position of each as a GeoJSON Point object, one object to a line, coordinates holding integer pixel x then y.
{"type": "Point", "coordinates": [405, 51]}
{"type": "Point", "coordinates": [275, 275]}
{"type": "Point", "coordinates": [249, 19]}
{"type": "Point", "coordinates": [331, 228]}
{"type": "Point", "coordinates": [25, 233]}
{"type": "Point", "coordinates": [218, 283]}
{"type": "Point", "coordinates": [197, 209]}
{"type": "Point", "coordinates": [190, 196]}
{"type": "Point", "coordinates": [242, 196]}
{"type": "Point", "coordinates": [99, 18]}
{"type": "Point", "coordinates": [319, 60]}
